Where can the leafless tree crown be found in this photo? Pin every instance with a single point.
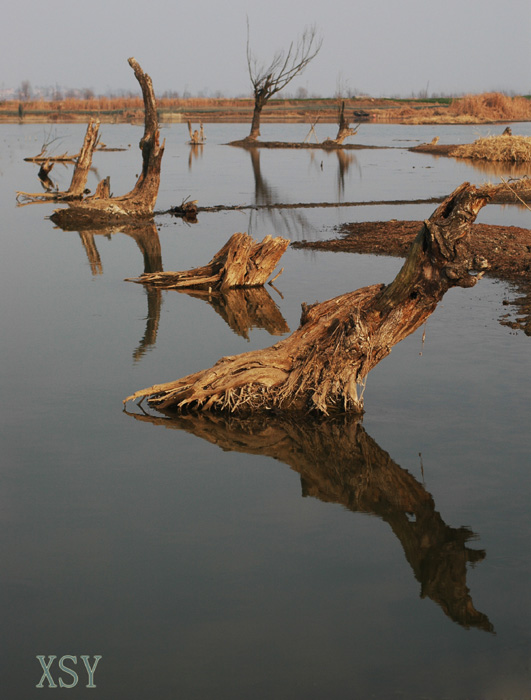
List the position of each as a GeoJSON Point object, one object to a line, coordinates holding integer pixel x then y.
{"type": "Point", "coordinates": [285, 65]}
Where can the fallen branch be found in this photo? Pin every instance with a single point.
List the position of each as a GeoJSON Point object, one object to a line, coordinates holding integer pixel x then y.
{"type": "Point", "coordinates": [42, 158]}
{"type": "Point", "coordinates": [322, 367]}
{"type": "Point", "coordinates": [242, 262]}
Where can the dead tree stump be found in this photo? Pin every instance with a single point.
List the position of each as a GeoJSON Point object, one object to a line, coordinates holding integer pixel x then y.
{"type": "Point", "coordinates": [140, 201]}
{"type": "Point", "coordinates": [322, 367]}
{"type": "Point", "coordinates": [242, 262]}
{"type": "Point", "coordinates": [344, 129]}
{"type": "Point", "coordinates": [79, 177]}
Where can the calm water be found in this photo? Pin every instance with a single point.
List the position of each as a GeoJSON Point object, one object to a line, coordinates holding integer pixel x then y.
{"type": "Point", "coordinates": [203, 560]}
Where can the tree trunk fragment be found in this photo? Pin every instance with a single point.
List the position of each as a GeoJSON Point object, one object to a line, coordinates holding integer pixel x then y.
{"type": "Point", "coordinates": [344, 130]}
{"type": "Point", "coordinates": [242, 262]}
{"type": "Point", "coordinates": [322, 367]}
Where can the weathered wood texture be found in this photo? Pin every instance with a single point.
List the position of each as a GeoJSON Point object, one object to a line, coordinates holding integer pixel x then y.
{"type": "Point", "coordinates": [322, 367]}
{"type": "Point", "coordinates": [140, 201]}
{"type": "Point", "coordinates": [242, 262]}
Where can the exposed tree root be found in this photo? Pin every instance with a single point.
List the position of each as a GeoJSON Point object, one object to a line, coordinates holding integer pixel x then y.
{"type": "Point", "coordinates": [322, 367]}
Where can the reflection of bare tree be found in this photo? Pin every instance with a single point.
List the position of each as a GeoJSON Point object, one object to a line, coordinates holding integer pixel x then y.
{"type": "Point", "coordinates": [245, 309]}
{"type": "Point", "coordinates": [290, 221]}
{"type": "Point", "coordinates": [147, 239]}
{"type": "Point", "coordinates": [154, 300]}
{"type": "Point", "coordinates": [196, 152]}
{"type": "Point", "coordinates": [339, 463]}
{"type": "Point", "coordinates": [89, 244]}
{"type": "Point", "coordinates": [44, 176]}
{"type": "Point", "coordinates": [345, 160]}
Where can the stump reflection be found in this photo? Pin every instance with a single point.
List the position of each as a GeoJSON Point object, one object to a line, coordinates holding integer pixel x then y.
{"type": "Point", "coordinates": [339, 462]}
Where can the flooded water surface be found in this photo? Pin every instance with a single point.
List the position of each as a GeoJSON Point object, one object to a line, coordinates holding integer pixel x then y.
{"type": "Point", "coordinates": [209, 558]}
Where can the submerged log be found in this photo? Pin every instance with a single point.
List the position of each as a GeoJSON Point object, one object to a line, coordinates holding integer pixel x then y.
{"type": "Point", "coordinates": [140, 201]}
{"type": "Point", "coordinates": [79, 176]}
{"type": "Point", "coordinates": [242, 262]}
{"type": "Point", "coordinates": [339, 462]}
{"type": "Point", "coordinates": [322, 367]}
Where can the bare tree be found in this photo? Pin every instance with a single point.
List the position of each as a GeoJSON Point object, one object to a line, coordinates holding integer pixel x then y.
{"type": "Point", "coordinates": [24, 91]}
{"type": "Point", "coordinates": [285, 65]}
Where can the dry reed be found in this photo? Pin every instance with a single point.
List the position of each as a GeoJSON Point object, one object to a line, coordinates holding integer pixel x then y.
{"type": "Point", "coordinates": [492, 106]}
{"type": "Point", "coordinates": [512, 149]}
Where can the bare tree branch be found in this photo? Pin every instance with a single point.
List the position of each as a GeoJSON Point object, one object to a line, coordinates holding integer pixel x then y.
{"type": "Point", "coordinates": [268, 80]}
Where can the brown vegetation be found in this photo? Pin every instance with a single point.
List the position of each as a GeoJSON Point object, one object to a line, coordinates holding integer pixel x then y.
{"type": "Point", "coordinates": [469, 110]}
{"type": "Point", "coordinates": [513, 149]}
{"type": "Point", "coordinates": [492, 106]}
{"type": "Point", "coordinates": [472, 109]}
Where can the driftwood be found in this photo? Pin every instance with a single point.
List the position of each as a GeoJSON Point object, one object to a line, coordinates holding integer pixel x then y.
{"type": "Point", "coordinates": [79, 176]}
{"type": "Point", "coordinates": [140, 201]}
{"type": "Point", "coordinates": [340, 463]}
{"type": "Point", "coordinates": [43, 157]}
{"type": "Point", "coordinates": [188, 209]}
{"type": "Point", "coordinates": [322, 367]}
{"type": "Point", "coordinates": [242, 262]}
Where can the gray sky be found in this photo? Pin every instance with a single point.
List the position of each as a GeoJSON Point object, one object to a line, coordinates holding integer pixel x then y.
{"type": "Point", "coordinates": [378, 47]}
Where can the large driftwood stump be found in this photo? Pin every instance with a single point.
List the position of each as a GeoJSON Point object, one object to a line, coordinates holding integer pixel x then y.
{"type": "Point", "coordinates": [140, 201]}
{"type": "Point", "coordinates": [322, 367]}
{"type": "Point", "coordinates": [242, 262]}
{"type": "Point", "coordinates": [339, 462]}
{"type": "Point", "coordinates": [79, 177]}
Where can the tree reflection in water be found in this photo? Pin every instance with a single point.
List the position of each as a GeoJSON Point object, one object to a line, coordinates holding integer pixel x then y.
{"type": "Point", "coordinates": [244, 309]}
{"type": "Point", "coordinates": [284, 221]}
{"type": "Point", "coordinates": [339, 462]}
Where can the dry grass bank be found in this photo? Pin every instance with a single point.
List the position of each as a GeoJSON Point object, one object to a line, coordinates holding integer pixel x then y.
{"type": "Point", "coordinates": [512, 149]}
{"type": "Point", "coordinates": [492, 106]}
{"type": "Point", "coordinates": [471, 109]}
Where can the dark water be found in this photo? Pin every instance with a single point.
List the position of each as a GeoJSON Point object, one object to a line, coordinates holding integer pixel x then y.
{"type": "Point", "coordinates": [226, 560]}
